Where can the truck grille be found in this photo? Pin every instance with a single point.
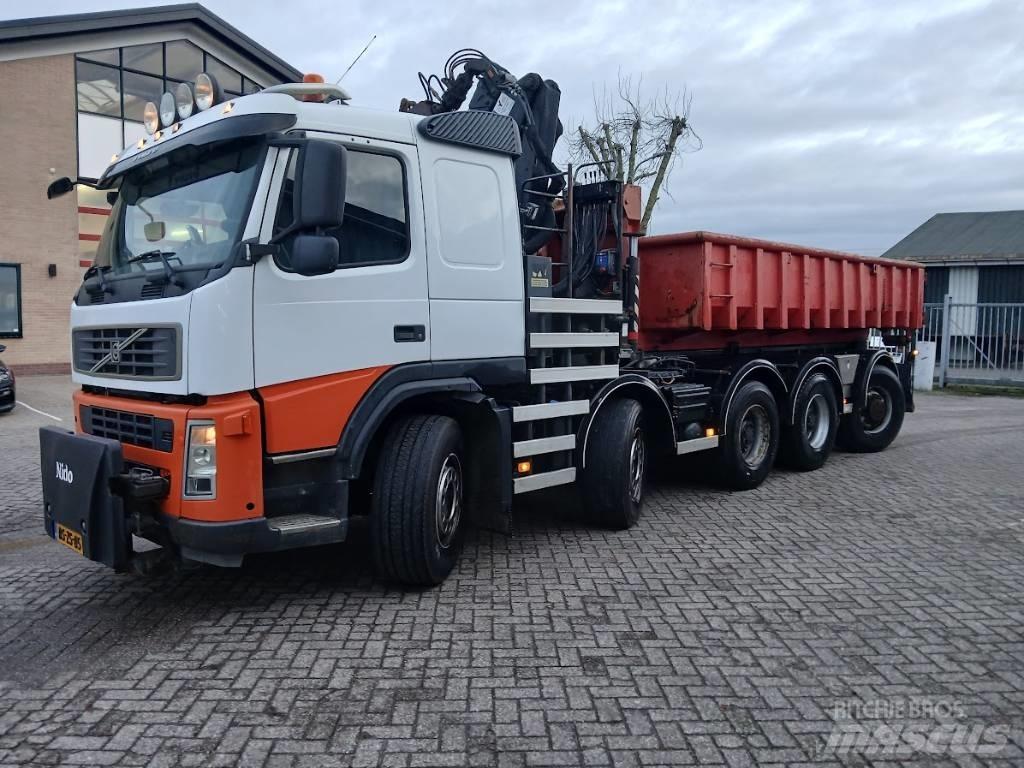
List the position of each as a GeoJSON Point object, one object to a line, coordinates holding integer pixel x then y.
{"type": "Point", "coordinates": [128, 353]}
{"type": "Point", "coordinates": [138, 429]}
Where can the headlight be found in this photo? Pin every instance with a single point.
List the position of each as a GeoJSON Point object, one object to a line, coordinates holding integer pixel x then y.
{"type": "Point", "coordinates": [201, 460]}
{"type": "Point", "coordinates": [5, 375]}
{"type": "Point", "coordinates": [151, 118]}
{"type": "Point", "coordinates": [207, 91]}
{"type": "Point", "coordinates": [183, 98]}
{"type": "Point", "coordinates": [168, 109]}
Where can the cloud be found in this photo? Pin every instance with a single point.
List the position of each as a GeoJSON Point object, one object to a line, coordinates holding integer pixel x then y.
{"type": "Point", "coordinates": [836, 124]}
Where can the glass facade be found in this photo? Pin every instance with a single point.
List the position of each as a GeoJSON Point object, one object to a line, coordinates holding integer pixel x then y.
{"type": "Point", "coordinates": [112, 88]}
{"type": "Point", "coordinates": [117, 82]}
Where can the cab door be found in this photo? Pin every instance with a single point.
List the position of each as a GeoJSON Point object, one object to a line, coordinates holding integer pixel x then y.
{"type": "Point", "coordinates": [372, 311]}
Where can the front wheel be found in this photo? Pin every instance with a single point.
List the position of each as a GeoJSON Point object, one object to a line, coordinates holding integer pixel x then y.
{"type": "Point", "coordinates": [876, 421]}
{"type": "Point", "coordinates": [616, 472]}
{"type": "Point", "coordinates": [417, 515]}
{"type": "Point", "coordinates": [747, 450]}
{"type": "Point", "coordinates": [807, 444]}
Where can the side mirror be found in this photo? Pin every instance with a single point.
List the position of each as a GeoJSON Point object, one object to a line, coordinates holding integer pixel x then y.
{"type": "Point", "coordinates": [3, 348]}
{"type": "Point", "coordinates": [314, 255]}
{"type": "Point", "coordinates": [320, 185]}
{"type": "Point", "coordinates": [59, 187]}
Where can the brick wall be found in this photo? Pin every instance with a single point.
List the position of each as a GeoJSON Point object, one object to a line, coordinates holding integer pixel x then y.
{"type": "Point", "coordinates": [37, 133]}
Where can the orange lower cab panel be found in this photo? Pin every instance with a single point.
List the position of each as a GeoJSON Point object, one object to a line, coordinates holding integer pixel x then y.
{"type": "Point", "coordinates": [311, 413]}
{"type": "Point", "coordinates": [239, 494]}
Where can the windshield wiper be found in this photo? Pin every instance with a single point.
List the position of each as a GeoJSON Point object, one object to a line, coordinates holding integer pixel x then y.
{"type": "Point", "coordinates": [150, 255]}
{"type": "Point", "coordinates": [169, 271]}
{"type": "Point", "coordinates": [104, 287]}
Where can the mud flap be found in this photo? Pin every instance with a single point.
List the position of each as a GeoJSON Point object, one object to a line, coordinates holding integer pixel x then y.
{"type": "Point", "coordinates": [489, 484]}
{"type": "Point", "coordinates": [906, 376]}
{"type": "Point", "coordinates": [79, 508]}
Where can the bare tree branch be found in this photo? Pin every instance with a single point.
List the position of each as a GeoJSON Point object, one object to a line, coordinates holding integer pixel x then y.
{"type": "Point", "coordinates": [634, 138]}
{"type": "Point", "coordinates": [588, 142]}
{"type": "Point", "coordinates": [678, 126]}
{"type": "Point", "coordinates": [591, 146]}
{"type": "Point", "coordinates": [609, 144]}
{"type": "Point", "coordinates": [637, 139]}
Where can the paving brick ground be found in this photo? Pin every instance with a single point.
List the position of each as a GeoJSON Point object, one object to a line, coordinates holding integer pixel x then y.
{"type": "Point", "coordinates": [727, 629]}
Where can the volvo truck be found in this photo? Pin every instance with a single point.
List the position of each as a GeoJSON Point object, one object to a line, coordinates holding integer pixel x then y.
{"type": "Point", "coordinates": [303, 312]}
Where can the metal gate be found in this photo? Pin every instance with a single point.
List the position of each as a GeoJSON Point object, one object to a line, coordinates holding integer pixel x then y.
{"type": "Point", "coordinates": [976, 343]}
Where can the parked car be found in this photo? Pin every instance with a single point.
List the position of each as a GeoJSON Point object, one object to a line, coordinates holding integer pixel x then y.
{"type": "Point", "coordinates": [6, 386]}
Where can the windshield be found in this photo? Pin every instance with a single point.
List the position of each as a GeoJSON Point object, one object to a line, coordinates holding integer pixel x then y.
{"type": "Point", "coordinates": [187, 210]}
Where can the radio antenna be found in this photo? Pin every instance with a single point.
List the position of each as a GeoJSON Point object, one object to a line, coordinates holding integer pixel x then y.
{"type": "Point", "coordinates": [357, 58]}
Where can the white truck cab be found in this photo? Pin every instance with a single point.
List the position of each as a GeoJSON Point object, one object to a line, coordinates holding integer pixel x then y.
{"type": "Point", "coordinates": [301, 306]}
{"type": "Point", "coordinates": [396, 296]}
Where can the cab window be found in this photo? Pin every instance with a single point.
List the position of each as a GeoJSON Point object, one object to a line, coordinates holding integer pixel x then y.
{"type": "Point", "coordinates": [375, 228]}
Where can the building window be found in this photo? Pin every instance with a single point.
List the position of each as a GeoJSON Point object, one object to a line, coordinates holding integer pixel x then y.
{"type": "Point", "coordinates": [10, 301]}
{"type": "Point", "coordinates": [99, 89]}
{"type": "Point", "coordinates": [138, 89]}
{"type": "Point", "coordinates": [228, 78]}
{"type": "Point", "coordinates": [111, 56]}
{"type": "Point", "coordinates": [184, 60]}
{"type": "Point", "coordinates": [148, 59]}
{"type": "Point", "coordinates": [375, 227]}
{"type": "Point", "coordinates": [114, 85]}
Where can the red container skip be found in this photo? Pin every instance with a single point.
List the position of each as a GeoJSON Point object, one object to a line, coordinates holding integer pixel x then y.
{"type": "Point", "coordinates": [701, 290]}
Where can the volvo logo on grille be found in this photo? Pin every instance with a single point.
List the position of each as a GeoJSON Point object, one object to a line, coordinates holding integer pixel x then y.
{"type": "Point", "coordinates": [116, 348]}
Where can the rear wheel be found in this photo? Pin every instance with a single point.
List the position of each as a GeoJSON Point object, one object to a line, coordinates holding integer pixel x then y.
{"type": "Point", "coordinates": [747, 449]}
{"type": "Point", "coordinates": [615, 477]}
{"type": "Point", "coordinates": [877, 420]}
{"type": "Point", "coordinates": [806, 444]}
{"type": "Point", "coordinates": [417, 515]}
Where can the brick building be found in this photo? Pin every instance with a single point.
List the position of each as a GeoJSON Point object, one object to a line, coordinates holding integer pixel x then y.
{"type": "Point", "coordinates": [72, 93]}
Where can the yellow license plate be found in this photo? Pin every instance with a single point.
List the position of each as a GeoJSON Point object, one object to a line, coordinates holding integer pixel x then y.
{"type": "Point", "coordinates": [70, 539]}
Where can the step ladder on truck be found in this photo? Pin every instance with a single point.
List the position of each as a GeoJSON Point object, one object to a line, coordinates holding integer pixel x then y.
{"type": "Point", "coordinates": [302, 312]}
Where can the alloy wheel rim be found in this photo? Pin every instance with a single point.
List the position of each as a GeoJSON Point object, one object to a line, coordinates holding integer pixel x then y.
{"type": "Point", "coordinates": [637, 459]}
{"type": "Point", "coordinates": [755, 436]}
{"type": "Point", "coordinates": [448, 504]}
{"type": "Point", "coordinates": [816, 422]}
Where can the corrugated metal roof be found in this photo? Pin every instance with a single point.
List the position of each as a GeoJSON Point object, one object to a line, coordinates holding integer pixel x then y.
{"type": "Point", "coordinates": [955, 237]}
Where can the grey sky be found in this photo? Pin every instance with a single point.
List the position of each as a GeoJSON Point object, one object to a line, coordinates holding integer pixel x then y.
{"type": "Point", "coordinates": [836, 124]}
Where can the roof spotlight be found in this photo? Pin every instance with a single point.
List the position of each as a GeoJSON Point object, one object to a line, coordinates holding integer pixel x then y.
{"type": "Point", "coordinates": [168, 109]}
{"type": "Point", "coordinates": [208, 91]}
{"type": "Point", "coordinates": [183, 98]}
{"type": "Point", "coordinates": [151, 117]}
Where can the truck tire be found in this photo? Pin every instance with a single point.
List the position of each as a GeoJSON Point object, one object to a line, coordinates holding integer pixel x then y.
{"type": "Point", "coordinates": [415, 521]}
{"type": "Point", "coordinates": [872, 427]}
{"type": "Point", "coordinates": [615, 476]}
{"type": "Point", "coordinates": [807, 443]}
{"type": "Point", "coordinates": [747, 449]}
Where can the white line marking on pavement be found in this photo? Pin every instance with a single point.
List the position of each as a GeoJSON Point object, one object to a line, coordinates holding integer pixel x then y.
{"type": "Point", "coordinates": [41, 413]}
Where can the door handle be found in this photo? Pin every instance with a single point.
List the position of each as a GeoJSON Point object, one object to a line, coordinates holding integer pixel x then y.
{"type": "Point", "coordinates": [410, 333]}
